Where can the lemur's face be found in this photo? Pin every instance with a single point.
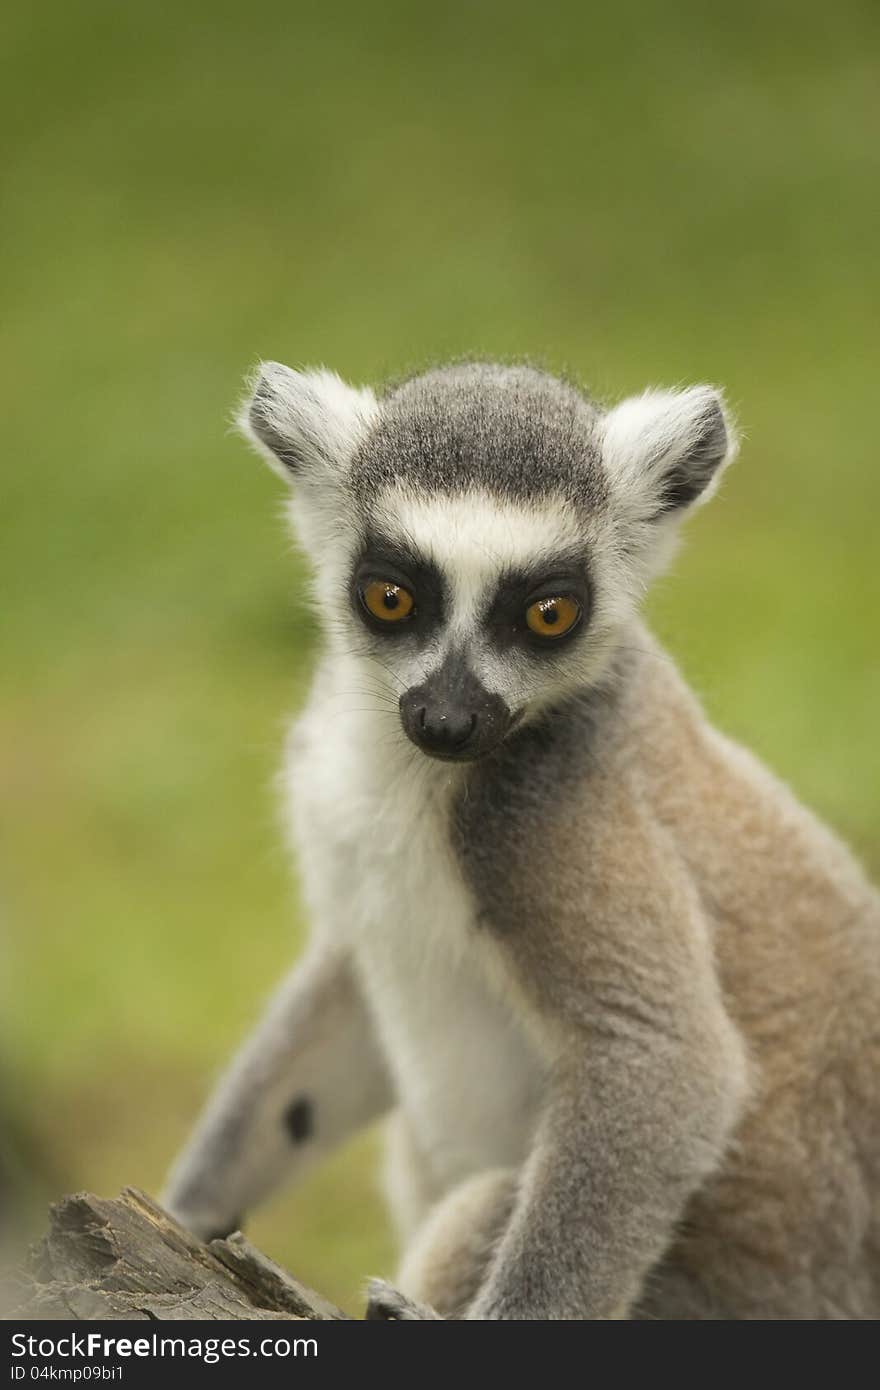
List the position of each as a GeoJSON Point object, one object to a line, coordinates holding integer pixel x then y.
{"type": "Point", "coordinates": [481, 535]}
{"type": "Point", "coordinates": [479, 611]}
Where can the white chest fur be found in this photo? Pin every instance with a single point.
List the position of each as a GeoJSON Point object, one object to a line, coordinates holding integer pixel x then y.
{"type": "Point", "coordinates": [467, 1074]}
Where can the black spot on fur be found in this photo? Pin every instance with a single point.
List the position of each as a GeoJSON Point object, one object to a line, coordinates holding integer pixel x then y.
{"type": "Point", "coordinates": [299, 1119]}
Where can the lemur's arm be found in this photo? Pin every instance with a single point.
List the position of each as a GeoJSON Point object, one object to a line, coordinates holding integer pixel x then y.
{"type": "Point", "coordinates": [310, 1074]}
{"type": "Point", "coordinates": [649, 1080]}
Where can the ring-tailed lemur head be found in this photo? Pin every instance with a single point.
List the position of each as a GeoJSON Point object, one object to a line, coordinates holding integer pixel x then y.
{"type": "Point", "coordinates": [481, 534]}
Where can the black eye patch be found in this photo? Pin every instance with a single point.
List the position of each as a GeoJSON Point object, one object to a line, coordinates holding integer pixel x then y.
{"type": "Point", "coordinates": [564, 577]}
{"type": "Point", "coordinates": [384, 559]}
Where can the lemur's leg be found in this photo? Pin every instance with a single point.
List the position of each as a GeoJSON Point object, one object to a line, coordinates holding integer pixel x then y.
{"type": "Point", "coordinates": [447, 1261]}
{"type": "Point", "coordinates": [309, 1075]}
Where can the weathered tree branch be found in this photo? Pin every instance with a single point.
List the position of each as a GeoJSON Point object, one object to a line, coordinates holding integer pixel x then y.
{"type": "Point", "coordinates": [127, 1258]}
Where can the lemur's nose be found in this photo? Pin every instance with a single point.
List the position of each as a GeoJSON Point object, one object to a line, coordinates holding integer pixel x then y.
{"type": "Point", "coordinates": [444, 728]}
{"type": "Point", "coordinates": [452, 714]}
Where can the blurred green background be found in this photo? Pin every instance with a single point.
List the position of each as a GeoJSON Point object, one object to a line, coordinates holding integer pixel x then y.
{"type": "Point", "coordinates": [638, 193]}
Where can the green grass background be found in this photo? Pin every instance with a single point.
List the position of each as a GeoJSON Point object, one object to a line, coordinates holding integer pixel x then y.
{"type": "Point", "coordinates": [638, 193]}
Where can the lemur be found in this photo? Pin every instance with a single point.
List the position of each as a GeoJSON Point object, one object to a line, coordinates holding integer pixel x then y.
{"type": "Point", "coordinates": [616, 991]}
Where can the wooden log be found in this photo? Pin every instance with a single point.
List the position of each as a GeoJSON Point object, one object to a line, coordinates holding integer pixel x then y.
{"type": "Point", "coordinates": [125, 1257]}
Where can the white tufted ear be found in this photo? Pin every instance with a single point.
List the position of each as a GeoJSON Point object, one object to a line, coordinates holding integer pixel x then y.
{"type": "Point", "coordinates": [304, 423]}
{"type": "Point", "coordinates": [665, 450]}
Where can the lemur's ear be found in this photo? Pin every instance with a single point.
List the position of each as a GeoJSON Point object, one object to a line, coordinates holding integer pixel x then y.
{"type": "Point", "coordinates": [665, 450]}
{"type": "Point", "coordinates": [304, 422]}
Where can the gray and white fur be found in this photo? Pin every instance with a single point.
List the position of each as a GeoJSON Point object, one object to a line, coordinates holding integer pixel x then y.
{"type": "Point", "coordinates": [616, 990]}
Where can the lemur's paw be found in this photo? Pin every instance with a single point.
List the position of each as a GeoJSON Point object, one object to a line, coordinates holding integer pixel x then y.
{"type": "Point", "coordinates": [222, 1232]}
{"type": "Point", "coordinates": [386, 1304]}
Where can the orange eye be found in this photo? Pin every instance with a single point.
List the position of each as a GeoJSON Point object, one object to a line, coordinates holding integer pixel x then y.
{"type": "Point", "coordinates": [553, 617]}
{"type": "Point", "coordinates": [386, 601]}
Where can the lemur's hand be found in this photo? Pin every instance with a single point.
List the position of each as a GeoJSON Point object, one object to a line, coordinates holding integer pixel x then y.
{"type": "Point", "coordinates": [202, 1220]}
{"type": "Point", "coordinates": [385, 1304]}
